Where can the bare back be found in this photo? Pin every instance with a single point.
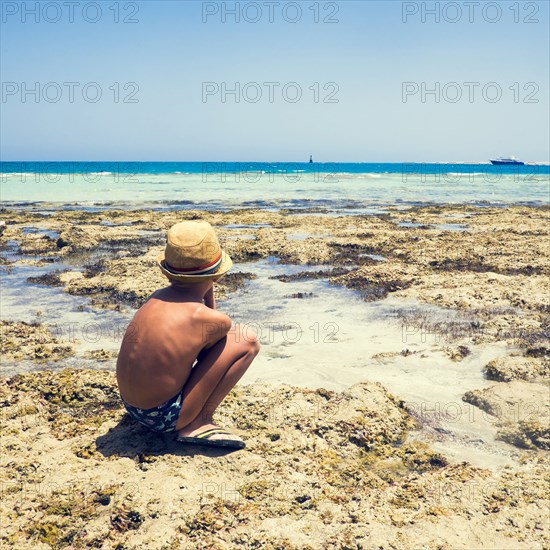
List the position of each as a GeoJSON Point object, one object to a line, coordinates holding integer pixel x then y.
{"type": "Point", "coordinates": [161, 345]}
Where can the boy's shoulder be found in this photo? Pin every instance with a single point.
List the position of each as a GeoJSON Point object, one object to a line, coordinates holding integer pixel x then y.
{"type": "Point", "coordinates": [205, 314]}
{"type": "Point", "coordinates": [214, 324]}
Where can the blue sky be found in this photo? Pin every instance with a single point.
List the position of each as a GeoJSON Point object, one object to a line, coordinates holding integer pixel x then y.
{"type": "Point", "coordinates": [363, 59]}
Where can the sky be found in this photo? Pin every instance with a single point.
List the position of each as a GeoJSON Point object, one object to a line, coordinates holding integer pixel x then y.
{"type": "Point", "coordinates": [346, 81]}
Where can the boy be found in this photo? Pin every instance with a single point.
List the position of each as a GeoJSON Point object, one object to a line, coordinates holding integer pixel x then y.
{"type": "Point", "coordinates": [160, 384]}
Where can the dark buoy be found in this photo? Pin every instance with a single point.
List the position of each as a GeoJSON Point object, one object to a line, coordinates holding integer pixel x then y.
{"type": "Point", "coordinates": [311, 159]}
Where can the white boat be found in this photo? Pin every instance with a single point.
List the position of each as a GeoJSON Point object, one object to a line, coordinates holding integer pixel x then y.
{"type": "Point", "coordinates": [507, 160]}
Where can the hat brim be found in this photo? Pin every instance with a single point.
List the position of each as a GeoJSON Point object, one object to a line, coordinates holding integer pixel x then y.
{"type": "Point", "coordinates": [225, 266]}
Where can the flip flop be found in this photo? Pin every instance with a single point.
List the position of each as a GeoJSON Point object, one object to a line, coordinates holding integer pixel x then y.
{"type": "Point", "coordinates": [204, 439]}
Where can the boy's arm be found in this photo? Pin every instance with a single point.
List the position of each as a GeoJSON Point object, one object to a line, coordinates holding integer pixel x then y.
{"type": "Point", "coordinates": [215, 326]}
{"type": "Point", "coordinates": [209, 300]}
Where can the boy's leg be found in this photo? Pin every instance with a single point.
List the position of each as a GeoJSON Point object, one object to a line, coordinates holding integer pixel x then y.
{"type": "Point", "coordinates": [212, 378]}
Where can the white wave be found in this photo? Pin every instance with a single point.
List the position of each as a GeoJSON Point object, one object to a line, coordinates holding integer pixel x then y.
{"type": "Point", "coordinates": [465, 173]}
{"type": "Point", "coordinates": [18, 174]}
{"type": "Point", "coordinates": [350, 175]}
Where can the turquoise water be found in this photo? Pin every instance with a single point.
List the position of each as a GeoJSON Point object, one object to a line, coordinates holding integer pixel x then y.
{"type": "Point", "coordinates": [217, 185]}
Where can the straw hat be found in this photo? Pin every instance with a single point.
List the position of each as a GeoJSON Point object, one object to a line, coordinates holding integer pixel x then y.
{"type": "Point", "coordinates": [193, 253]}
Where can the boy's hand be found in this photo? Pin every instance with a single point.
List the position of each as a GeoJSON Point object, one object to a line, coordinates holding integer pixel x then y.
{"type": "Point", "coordinates": [209, 300]}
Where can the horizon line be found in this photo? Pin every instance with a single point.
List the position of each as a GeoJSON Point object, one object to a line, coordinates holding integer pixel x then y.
{"type": "Point", "coordinates": [544, 162]}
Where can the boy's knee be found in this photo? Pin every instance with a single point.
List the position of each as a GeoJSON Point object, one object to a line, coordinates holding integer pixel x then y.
{"type": "Point", "coordinates": [253, 343]}
{"type": "Point", "coordinates": [248, 338]}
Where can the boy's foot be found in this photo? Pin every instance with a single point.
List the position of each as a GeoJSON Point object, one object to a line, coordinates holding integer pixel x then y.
{"type": "Point", "coordinates": [212, 436]}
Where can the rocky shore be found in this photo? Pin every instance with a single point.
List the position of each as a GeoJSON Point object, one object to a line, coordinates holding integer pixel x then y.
{"type": "Point", "coordinates": [492, 262]}
{"type": "Point", "coordinates": [322, 469]}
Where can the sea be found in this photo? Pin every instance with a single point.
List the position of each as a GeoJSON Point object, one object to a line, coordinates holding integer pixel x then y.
{"type": "Point", "coordinates": [332, 187]}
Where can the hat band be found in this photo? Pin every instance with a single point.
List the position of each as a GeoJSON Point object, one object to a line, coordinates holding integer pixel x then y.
{"type": "Point", "coordinates": [205, 269]}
